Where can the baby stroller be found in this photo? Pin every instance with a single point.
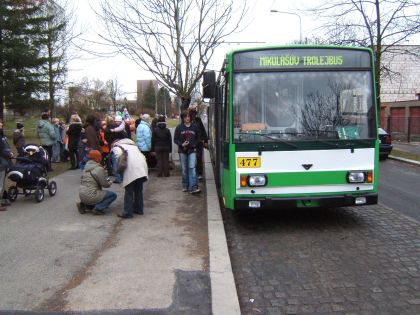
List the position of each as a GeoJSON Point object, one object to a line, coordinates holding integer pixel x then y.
{"type": "Point", "coordinates": [30, 174]}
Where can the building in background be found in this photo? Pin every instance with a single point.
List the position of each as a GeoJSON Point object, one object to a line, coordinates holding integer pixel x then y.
{"type": "Point", "coordinates": [400, 92]}
{"type": "Point", "coordinates": [401, 79]}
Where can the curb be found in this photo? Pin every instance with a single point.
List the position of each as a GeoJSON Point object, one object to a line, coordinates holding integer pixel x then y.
{"type": "Point", "coordinates": [223, 290]}
{"type": "Point", "coordinates": [403, 160]}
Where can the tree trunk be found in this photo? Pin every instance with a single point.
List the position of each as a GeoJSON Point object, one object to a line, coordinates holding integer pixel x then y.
{"type": "Point", "coordinates": [1, 80]}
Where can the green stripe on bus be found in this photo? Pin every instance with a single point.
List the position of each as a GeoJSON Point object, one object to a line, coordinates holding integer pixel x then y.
{"type": "Point", "coordinates": [306, 178]}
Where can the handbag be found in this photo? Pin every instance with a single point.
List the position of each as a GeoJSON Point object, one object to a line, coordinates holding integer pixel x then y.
{"type": "Point", "coordinates": [122, 161]}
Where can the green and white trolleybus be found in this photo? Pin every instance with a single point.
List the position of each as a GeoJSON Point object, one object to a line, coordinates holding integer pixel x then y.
{"type": "Point", "coordinates": [293, 127]}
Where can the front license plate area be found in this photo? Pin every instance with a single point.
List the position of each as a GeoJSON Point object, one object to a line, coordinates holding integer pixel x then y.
{"type": "Point", "coordinates": [248, 162]}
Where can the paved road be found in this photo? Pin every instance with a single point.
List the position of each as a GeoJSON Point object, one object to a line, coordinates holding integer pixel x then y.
{"type": "Point", "coordinates": [399, 187]}
{"type": "Point", "coordinates": [356, 260]}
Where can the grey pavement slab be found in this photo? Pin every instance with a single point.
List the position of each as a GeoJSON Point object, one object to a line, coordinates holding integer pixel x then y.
{"type": "Point", "coordinates": [53, 259]}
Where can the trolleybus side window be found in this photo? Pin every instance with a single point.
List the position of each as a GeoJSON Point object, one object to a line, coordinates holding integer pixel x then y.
{"type": "Point", "coordinates": [225, 113]}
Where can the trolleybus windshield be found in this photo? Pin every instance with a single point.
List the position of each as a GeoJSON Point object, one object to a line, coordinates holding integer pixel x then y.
{"type": "Point", "coordinates": [302, 94]}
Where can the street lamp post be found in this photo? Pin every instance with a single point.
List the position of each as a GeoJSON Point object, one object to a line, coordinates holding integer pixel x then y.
{"type": "Point", "coordinates": [292, 13]}
{"type": "Point", "coordinates": [164, 100]}
{"type": "Point", "coordinates": [156, 95]}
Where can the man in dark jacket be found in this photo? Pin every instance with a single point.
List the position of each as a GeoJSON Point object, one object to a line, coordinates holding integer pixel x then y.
{"type": "Point", "coordinates": [162, 146]}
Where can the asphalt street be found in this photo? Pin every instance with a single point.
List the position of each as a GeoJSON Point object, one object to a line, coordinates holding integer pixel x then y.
{"type": "Point", "coordinates": [399, 187]}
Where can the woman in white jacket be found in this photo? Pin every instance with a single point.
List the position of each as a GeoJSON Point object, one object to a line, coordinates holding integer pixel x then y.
{"type": "Point", "coordinates": [134, 176]}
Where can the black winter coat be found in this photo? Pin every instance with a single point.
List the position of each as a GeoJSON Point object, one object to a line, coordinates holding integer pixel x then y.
{"type": "Point", "coordinates": [74, 132]}
{"type": "Point", "coordinates": [110, 136]}
{"type": "Point", "coordinates": [161, 137]}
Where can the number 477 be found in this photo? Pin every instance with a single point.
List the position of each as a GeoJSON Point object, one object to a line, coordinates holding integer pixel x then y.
{"type": "Point", "coordinates": [249, 162]}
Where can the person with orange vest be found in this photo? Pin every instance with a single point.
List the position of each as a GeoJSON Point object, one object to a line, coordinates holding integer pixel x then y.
{"type": "Point", "coordinates": [106, 158]}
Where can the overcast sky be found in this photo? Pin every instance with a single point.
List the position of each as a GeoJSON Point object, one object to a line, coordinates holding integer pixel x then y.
{"type": "Point", "coordinates": [263, 26]}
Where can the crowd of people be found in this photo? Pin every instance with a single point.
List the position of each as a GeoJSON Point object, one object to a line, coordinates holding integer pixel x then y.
{"type": "Point", "coordinates": [100, 145]}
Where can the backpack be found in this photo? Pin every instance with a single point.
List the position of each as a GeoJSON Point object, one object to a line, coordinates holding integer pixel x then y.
{"type": "Point", "coordinates": [122, 160]}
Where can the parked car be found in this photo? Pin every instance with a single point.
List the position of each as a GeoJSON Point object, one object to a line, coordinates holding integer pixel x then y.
{"type": "Point", "coordinates": [385, 146]}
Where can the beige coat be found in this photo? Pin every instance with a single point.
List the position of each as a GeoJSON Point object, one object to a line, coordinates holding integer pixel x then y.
{"type": "Point", "coordinates": [136, 162]}
{"type": "Point", "coordinates": [90, 190]}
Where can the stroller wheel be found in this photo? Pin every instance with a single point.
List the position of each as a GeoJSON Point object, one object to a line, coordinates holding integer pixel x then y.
{"type": "Point", "coordinates": [39, 193]}
{"type": "Point", "coordinates": [52, 188]}
{"type": "Point", "coordinates": [12, 192]}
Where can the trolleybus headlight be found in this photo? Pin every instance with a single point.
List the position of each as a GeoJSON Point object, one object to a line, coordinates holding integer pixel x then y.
{"type": "Point", "coordinates": [356, 177]}
{"type": "Point", "coordinates": [256, 180]}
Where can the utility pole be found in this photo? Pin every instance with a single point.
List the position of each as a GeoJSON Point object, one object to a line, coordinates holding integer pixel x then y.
{"type": "Point", "coordinates": [157, 87]}
{"type": "Point", "coordinates": [164, 100]}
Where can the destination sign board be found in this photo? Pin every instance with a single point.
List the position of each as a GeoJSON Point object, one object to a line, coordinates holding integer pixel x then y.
{"type": "Point", "coordinates": [301, 58]}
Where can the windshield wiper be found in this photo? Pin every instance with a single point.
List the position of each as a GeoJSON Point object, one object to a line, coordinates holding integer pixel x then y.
{"type": "Point", "coordinates": [270, 136]}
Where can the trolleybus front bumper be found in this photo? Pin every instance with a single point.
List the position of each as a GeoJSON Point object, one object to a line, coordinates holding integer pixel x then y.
{"type": "Point", "coordinates": [305, 202]}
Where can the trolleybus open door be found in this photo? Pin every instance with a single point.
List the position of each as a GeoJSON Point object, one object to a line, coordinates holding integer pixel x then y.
{"type": "Point", "coordinates": [212, 92]}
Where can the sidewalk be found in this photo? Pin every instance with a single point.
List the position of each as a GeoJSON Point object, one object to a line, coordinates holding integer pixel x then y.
{"type": "Point", "coordinates": [172, 260]}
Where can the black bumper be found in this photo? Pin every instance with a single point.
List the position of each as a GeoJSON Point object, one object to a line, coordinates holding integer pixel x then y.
{"type": "Point", "coordinates": [385, 149]}
{"type": "Point", "coordinates": [308, 202]}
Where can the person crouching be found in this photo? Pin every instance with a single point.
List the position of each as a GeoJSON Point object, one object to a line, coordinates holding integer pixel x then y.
{"type": "Point", "coordinates": [93, 179]}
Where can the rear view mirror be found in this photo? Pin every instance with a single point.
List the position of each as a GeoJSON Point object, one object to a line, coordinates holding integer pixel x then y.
{"type": "Point", "coordinates": [209, 84]}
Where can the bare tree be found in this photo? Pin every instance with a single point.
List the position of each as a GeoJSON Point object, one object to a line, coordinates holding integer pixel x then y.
{"type": "Point", "coordinates": [92, 95]}
{"type": "Point", "coordinates": [113, 90]}
{"type": "Point", "coordinates": [60, 34]}
{"type": "Point", "coordinates": [173, 39]}
{"type": "Point", "coordinates": [379, 24]}
{"type": "Point", "coordinates": [98, 94]}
